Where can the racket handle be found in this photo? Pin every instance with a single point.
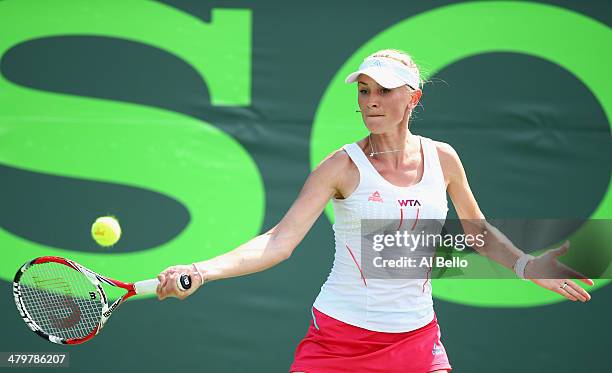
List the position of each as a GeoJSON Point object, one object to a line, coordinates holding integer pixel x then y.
{"type": "Point", "coordinates": [184, 282]}
{"type": "Point", "coordinates": [150, 286]}
{"type": "Point", "coordinates": [146, 286]}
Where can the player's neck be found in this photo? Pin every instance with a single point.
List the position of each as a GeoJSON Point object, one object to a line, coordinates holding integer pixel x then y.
{"type": "Point", "coordinates": [392, 149]}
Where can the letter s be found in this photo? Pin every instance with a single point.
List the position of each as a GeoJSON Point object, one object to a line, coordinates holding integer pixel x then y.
{"type": "Point", "coordinates": [194, 162]}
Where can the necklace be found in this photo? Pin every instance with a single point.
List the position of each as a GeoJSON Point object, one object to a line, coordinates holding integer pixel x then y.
{"type": "Point", "coordinates": [373, 153]}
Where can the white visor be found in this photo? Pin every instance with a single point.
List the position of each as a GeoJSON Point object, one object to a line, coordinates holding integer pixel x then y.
{"type": "Point", "coordinates": [387, 72]}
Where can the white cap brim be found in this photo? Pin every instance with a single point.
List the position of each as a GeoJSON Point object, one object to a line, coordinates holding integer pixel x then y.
{"type": "Point", "coordinates": [382, 76]}
{"type": "Point", "coordinates": [387, 72]}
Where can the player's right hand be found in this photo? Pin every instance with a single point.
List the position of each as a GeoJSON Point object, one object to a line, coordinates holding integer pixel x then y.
{"type": "Point", "coordinates": [168, 285]}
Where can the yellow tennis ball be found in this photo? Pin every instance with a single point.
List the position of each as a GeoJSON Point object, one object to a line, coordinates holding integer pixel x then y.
{"type": "Point", "coordinates": [106, 231]}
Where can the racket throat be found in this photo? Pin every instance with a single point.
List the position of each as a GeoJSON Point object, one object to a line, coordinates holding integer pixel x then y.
{"type": "Point", "coordinates": [108, 311]}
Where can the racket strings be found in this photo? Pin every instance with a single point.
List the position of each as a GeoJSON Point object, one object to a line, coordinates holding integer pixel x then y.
{"type": "Point", "coordinates": [60, 300]}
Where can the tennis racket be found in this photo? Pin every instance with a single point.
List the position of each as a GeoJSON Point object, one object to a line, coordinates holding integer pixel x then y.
{"type": "Point", "coordinates": [65, 303]}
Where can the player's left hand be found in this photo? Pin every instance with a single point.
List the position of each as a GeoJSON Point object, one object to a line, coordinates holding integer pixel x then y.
{"type": "Point", "coordinates": [546, 271]}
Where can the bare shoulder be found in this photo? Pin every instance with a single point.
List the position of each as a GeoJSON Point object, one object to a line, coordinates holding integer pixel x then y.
{"type": "Point", "coordinates": [335, 162]}
{"type": "Point", "coordinates": [339, 169]}
{"type": "Point", "coordinates": [449, 160]}
{"type": "Point", "coordinates": [446, 151]}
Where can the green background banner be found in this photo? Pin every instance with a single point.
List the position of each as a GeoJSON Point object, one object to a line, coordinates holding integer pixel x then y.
{"type": "Point", "coordinates": [196, 124]}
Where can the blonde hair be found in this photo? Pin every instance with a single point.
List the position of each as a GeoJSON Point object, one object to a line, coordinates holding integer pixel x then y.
{"type": "Point", "coordinates": [402, 57]}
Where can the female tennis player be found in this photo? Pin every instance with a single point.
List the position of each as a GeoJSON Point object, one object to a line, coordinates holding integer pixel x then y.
{"type": "Point", "coordinates": [362, 324]}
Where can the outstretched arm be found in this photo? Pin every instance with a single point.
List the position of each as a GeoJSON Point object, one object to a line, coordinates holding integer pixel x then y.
{"type": "Point", "coordinates": [267, 249]}
{"type": "Point", "coordinates": [544, 270]}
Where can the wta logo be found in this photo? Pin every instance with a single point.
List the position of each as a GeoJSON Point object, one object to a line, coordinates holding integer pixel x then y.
{"type": "Point", "coordinates": [408, 202]}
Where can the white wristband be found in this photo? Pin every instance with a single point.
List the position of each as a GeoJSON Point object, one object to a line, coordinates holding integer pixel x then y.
{"type": "Point", "coordinates": [521, 263]}
{"type": "Point", "coordinates": [199, 273]}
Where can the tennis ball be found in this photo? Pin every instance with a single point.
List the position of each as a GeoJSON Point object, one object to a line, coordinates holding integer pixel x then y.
{"type": "Point", "coordinates": [106, 231]}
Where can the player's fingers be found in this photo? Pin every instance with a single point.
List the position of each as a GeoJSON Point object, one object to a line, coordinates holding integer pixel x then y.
{"type": "Point", "coordinates": [172, 285]}
{"type": "Point", "coordinates": [564, 289]}
{"type": "Point", "coordinates": [566, 294]}
{"type": "Point", "coordinates": [168, 287]}
{"type": "Point", "coordinates": [161, 278]}
{"type": "Point", "coordinates": [587, 281]}
{"type": "Point", "coordinates": [558, 288]}
{"type": "Point", "coordinates": [577, 291]}
{"type": "Point", "coordinates": [573, 293]}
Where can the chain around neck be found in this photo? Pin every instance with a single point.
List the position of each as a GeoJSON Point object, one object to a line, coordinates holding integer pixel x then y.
{"type": "Point", "coordinates": [373, 153]}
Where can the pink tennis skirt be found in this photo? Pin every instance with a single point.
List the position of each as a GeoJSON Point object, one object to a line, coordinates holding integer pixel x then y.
{"type": "Point", "coordinates": [332, 346]}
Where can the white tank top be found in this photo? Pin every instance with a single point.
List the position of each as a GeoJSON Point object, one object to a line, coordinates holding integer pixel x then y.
{"type": "Point", "coordinates": [384, 305]}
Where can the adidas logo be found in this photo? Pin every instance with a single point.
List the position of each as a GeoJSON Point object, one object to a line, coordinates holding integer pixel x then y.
{"type": "Point", "coordinates": [375, 197]}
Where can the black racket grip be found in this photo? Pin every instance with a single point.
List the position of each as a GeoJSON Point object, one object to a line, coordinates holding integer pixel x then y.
{"type": "Point", "coordinates": [184, 282]}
